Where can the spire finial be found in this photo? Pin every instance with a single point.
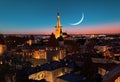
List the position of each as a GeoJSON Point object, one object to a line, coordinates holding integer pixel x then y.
{"type": "Point", "coordinates": [58, 14]}
{"type": "Point", "coordinates": [58, 20]}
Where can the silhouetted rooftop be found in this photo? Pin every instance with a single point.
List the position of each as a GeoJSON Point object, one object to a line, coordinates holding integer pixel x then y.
{"type": "Point", "coordinates": [81, 41]}
{"type": "Point", "coordinates": [51, 66]}
{"type": "Point", "coordinates": [72, 78]}
{"type": "Point", "coordinates": [60, 38]}
{"type": "Point", "coordinates": [2, 39]}
{"type": "Point", "coordinates": [52, 42]}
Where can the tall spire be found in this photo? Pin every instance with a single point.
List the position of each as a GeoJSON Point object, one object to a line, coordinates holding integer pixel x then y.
{"type": "Point", "coordinates": [58, 20]}
{"type": "Point", "coordinates": [58, 27]}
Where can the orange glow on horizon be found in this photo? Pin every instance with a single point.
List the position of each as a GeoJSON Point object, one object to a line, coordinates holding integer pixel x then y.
{"type": "Point", "coordinates": [100, 29]}
{"type": "Point", "coordinates": [95, 29]}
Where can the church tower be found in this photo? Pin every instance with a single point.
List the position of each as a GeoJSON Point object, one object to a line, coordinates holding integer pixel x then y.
{"type": "Point", "coordinates": [58, 27]}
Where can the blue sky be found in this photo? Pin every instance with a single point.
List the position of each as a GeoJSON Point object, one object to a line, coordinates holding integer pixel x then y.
{"type": "Point", "coordinates": [39, 16]}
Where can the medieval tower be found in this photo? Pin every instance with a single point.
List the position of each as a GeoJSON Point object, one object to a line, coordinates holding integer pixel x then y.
{"type": "Point", "coordinates": [58, 27]}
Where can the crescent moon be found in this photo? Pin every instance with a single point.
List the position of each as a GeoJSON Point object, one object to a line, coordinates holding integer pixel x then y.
{"type": "Point", "coordinates": [80, 21]}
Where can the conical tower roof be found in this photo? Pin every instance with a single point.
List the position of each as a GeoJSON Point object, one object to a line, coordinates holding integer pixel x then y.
{"type": "Point", "coordinates": [58, 20]}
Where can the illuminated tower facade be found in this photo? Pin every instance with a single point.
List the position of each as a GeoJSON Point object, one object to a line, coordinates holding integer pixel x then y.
{"type": "Point", "coordinates": [58, 27]}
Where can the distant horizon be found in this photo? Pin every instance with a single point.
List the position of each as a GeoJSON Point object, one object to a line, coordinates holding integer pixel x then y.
{"type": "Point", "coordinates": [64, 32]}
{"type": "Point", "coordinates": [95, 29]}
{"type": "Point", "coordinates": [68, 34]}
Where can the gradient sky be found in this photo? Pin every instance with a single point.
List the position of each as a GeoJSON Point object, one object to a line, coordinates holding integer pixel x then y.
{"type": "Point", "coordinates": [39, 16]}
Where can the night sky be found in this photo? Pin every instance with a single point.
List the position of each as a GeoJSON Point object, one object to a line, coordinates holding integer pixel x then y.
{"type": "Point", "coordinates": [39, 16]}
